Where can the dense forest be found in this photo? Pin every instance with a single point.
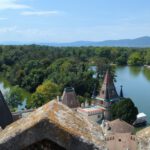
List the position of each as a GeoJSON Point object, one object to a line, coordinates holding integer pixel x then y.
{"type": "Point", "coordinates": [45, 71]}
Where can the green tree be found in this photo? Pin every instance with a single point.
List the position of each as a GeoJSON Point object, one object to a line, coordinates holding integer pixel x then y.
{"type": "Point", "coordinates": [44, 93]}
{"type": "Point", "coordinates": [101, 64]}
{"type": "Point", "coordinates": [28, 66]}
{"type": "Point", "coordinates": [122, 59]}
{"type": "Point", "coordinates": [125, 110]}
{"type": "Point", "coordinates": [14, 98]}
{"type": "Point", "coordinates": [33, 79]}
{"type": "Point", "coordinates": [135, 59]}
{"type": "Point", "coordinates": [72, 72]}
{"type": "Point", "coordinates": [147, 58]}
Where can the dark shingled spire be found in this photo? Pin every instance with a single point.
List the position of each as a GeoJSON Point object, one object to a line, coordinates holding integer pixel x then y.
{"type": "Point", "coordinates": [121, 92]}
{"type": "Point", "coordinates": [69, 98]}
{"type": "Point", "coordinates": [108, 90]}
{"type": "Point", "coordinates": [5, 114]}
{"type": "Point", "coordinates": [107, 95]}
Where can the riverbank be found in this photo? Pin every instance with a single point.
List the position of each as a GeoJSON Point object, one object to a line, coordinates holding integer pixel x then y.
{"type": "Point", "coordinates": [6, 86]}
{"type": "Point", "coordinates": [147, 66]}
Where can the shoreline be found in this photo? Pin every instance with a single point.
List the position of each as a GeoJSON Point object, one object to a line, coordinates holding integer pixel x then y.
{"type": "Point", "coordinates": [147, 66]}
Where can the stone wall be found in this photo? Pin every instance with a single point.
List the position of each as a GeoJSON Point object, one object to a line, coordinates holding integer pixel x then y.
{"type": "Point", "coordinates": [144, 139]}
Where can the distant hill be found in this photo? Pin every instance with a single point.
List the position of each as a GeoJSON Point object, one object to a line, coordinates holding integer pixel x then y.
{"type": "Point", "coordinates": [138, 42]}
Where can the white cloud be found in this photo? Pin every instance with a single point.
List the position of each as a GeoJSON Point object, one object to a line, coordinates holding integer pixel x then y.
{"type": "Point", "coordinates": [3, 18]}
{"type": "Point", "coordinates": [40, 13]}
{"type": "Point", "coordinates": [11, 4]}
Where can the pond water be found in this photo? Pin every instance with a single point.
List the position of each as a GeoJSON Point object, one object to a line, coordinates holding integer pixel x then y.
{"type": "Point", "coordinates": [136, 85]}
{"type": "Point", "coordinates": [6, 87]}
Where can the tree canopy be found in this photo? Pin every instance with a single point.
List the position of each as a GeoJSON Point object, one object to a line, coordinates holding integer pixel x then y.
{"type": "Point", "coordinates": [14, 98]}
{"type": "Point", "coordinates": [135, 59]}
{"type": "Point", "coordinates": [125, 110]}
{"type": "Point", "coordinates": [44, 93]}
{"type": "Point", "coordinates": [29, 66]}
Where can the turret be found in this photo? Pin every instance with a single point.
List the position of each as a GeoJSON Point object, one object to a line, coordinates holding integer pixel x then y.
{"type": "Point", "coordinates": [69, 98]}
{"type": "Point", "coordinates": [108, 93]}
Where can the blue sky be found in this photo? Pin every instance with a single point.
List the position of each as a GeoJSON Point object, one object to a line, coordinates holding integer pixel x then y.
{"type": "Point", "coordinates": [73, 20]}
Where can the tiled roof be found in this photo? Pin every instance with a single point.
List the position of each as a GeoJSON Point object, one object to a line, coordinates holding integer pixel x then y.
{"type": "Point", "coordinates": [120, 126]}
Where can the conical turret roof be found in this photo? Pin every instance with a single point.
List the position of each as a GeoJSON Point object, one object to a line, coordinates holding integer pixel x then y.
{"type": "Point", "coordinates": [108, 90]}
{"type": "Point", "coordinates": [69, 98]}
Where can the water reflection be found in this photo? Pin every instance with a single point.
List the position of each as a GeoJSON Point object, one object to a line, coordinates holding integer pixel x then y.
{"type": "Point", "coordinates": [136, 83]}
{"type": "Point", "coordinates": [146, 73]}
{"type": "Point", "coordinates": [135, 71]}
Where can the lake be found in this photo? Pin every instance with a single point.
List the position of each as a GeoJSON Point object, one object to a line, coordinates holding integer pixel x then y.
{"type": "Point", "coordinates": [136, 85]}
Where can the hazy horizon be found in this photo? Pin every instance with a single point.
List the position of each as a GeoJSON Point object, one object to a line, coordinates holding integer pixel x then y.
{"type": "Point", "coordinates": [61, 42]}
